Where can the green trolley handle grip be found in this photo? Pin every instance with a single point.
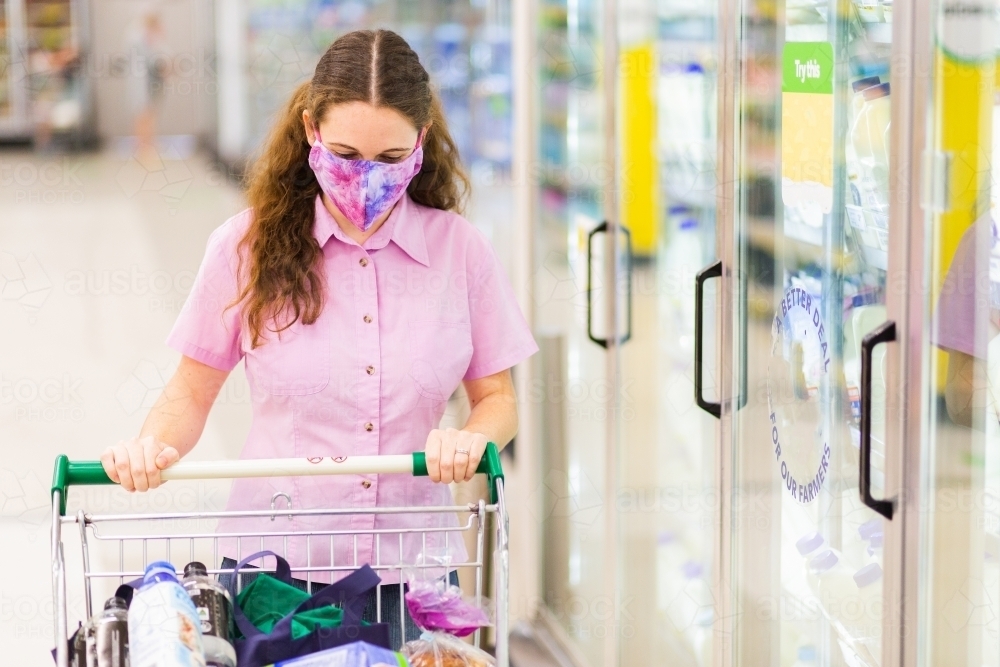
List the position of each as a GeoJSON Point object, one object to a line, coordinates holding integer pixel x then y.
{"type": "Point", "coordinates": [68, 473]}
{"type": "Point", "coordinates": [489, 465]}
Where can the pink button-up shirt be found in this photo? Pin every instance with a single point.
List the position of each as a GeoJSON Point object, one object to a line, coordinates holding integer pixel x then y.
{"type": "Point", "coordinates": [422, 305]}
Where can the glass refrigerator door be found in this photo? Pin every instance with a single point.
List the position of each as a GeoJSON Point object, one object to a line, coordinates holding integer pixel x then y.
{"type": "Point", "coordinates": [661, 611]}
{"type": "Point", "coordinates": [568, 284]}
{"type": "Point", "coordinates": [959, 488]}
{"type": "Point", "coordinates": [666, 501]}
{"type": "Point", "coordinates": [810, 269]}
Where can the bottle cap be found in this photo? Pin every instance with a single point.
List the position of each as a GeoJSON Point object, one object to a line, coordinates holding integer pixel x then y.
{"type": "Point", "coordinates": [692, 570]}
{"type": "Point", "coordinates": [159, 571]}
{"type": "Point", "coordinates": [869, 528]}
{"type": "Point", "coordinates": [876, 540]}
{"type": "Point", "coordinates": [868, 575]}
{"type": "Point", "coordinates": [810, 543]}
{"type": "Point", "coordinates": [115, 603]}
{"type": "Point", "coordinates": [195, 569]}
{"type": "Point", "coordinates": [823, 562]}
{"type": "Point", "coordinates": [875, 92]}
{"type": "Point", "coordinates": [866, 82]}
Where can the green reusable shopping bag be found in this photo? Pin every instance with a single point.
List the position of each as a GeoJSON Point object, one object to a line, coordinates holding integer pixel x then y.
{"type": "Point", "coordinates": [266, 600]}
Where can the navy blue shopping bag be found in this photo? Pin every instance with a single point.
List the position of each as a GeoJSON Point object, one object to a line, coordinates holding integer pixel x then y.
{"type": "Point", "coordinates": [258, 649]}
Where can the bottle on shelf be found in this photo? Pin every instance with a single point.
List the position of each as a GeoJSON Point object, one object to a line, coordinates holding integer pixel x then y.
{"type": "Point", "coordinates": [869, 137]}
{"type": "Point", "coordinates": [831, 582]}
{"type": "Point", "coordinates": [866, 615]}
{"type": "Point", "coordinates": [163, 625]}
{"type": "Point", "coordinates": [851, 157]}
{"type": "Point", "coordinates": [107, 636]}
{"type": "Point", "coordinates": [875, 546]}
{"type": "Point", "coordinates": [806, 656]}
{"type": "Point", "coordinates": [211, 600]}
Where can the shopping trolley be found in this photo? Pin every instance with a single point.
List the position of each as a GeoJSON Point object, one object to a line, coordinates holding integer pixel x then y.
{"type": "Point", "coordinates": [104, 532]}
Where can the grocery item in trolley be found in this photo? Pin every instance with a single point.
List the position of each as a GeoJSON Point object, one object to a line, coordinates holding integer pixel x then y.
{"type": "Point", "coordinates": [277, 638]}
{"type": "Point", "coordinates": [440, 649]}
{"type": "Point", "coordinates": [358, 654]}
{"type": "Point", "coordinates": [77, 648]}
{"type": "Point", "coordinates": [441, 611]}
{"type": "Point", "coordinates": [214, 606]}
{"type": "Point", "coordinates": [163, 625]}
{"type": "Point", "coordinates": [107, 636]}
{"type": "Point", "coordinates": [438, 605]}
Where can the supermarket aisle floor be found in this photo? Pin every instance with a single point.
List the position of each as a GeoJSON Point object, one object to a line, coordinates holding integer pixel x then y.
{"type": "Point", "coordinates": [97, 253]}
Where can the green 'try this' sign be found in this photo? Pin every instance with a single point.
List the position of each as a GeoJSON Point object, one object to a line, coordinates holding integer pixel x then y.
{"type": "Point", "coordinates": [807, 67]}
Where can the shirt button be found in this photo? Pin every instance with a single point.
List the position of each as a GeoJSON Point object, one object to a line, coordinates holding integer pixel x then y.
{"type": "Point", "coordinates": [366, 484]}
{"type": "Point", "coordinates": [367, 319]}
{"type": "Point", "coordinates": [370, 370]}
{"type": "Point", "coordinates": [363, 261]}
{"type": "Point", "coordinates": [369, 426]}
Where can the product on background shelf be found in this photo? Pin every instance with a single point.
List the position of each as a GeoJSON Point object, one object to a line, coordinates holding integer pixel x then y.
{"type": "Point", "coordinates": [163, 624]}
{"type": "Point", "coordinates": [806, 656]}
{"type": "Point", "coordinates": [850, 599]}
{"type": "Point", "coordinates": [869, 141]}
{"type": "Point", "coordinates": [211, 599]}
{"type": "Point", "coordinates": [870, 11]}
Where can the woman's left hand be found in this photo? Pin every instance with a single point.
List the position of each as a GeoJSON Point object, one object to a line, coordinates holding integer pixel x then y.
{"type": "Point", "coordinates": [453, 455]}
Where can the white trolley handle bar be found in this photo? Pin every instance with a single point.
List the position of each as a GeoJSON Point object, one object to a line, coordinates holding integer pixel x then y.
{"type": "Point", "coordinates": [354, 465]}
{"type": "Point", "coordinates": [68, 473]}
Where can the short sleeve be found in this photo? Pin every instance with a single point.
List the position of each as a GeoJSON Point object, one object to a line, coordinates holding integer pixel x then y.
{"type": "Point", "coordinates": [501, 337]}
{"type": "Point", "coordinates": [208, 329]}
{"type": "Point", "coordinates": [962, 300]}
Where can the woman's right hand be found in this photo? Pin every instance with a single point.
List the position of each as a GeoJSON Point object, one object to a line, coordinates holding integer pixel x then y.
{"type": "Point", "coordinates": [136, 463]}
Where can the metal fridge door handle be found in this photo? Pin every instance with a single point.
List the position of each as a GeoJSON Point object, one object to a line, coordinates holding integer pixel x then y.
{"type": "Point", "coordinates": [884, 333]}
{"type": "Point", "coordinates": [710, 271]}
{"type": "Point", "coordinates": [628, 284]}
{"type": "Point", "coordinates": [603, 227]}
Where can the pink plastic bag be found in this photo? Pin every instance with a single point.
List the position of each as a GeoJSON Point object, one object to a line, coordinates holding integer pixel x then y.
{"type": "Point", "coordinates": [439, 609]}
{"type": "Point", "coordinates": [436, 605]}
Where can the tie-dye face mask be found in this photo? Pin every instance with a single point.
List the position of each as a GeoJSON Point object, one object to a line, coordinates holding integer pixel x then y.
{"type": "Point", "coordinates": [362, 189]}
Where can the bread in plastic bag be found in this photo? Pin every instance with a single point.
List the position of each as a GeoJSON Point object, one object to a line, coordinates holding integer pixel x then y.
{"type": "Point", "coordinates": [440, 649]}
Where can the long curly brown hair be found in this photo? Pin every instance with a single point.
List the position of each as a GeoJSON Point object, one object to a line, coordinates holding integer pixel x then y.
{"type": "Point", "coordinates": [280, 258]}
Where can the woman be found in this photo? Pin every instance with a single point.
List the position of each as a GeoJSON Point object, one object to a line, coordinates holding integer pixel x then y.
{"type": "Point", "coordinates": [360, 300]}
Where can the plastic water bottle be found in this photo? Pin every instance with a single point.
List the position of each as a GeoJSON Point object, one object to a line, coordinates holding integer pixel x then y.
{"type": "Point", "coordinates": [163, 625]}
{"type": "Point", "coordinates": [831, 581]}
{"type": "Point", "coordinates": [866, 622]}
{"type": "Point", "coordinates": [806, 656]}
{"type": "Point", "coordinates": [868, 137]}
{"type": "Point", "coordinates": [211, 600]}
{"type": "Point", "coordinates": [107, 636]}
{"type": "Point", "coordinates": [866, 628]}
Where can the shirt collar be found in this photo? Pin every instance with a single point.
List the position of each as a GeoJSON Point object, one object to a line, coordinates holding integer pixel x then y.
{"type": "Point", "coordinates": [404, 227]}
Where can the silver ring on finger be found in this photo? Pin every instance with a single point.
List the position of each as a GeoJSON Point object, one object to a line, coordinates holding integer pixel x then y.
{"type": "Point", "coordinates": [462, 451]}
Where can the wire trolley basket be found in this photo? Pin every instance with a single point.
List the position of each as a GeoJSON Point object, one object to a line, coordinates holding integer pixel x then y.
{"type": "Point", "coordinates": [115, 548]}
